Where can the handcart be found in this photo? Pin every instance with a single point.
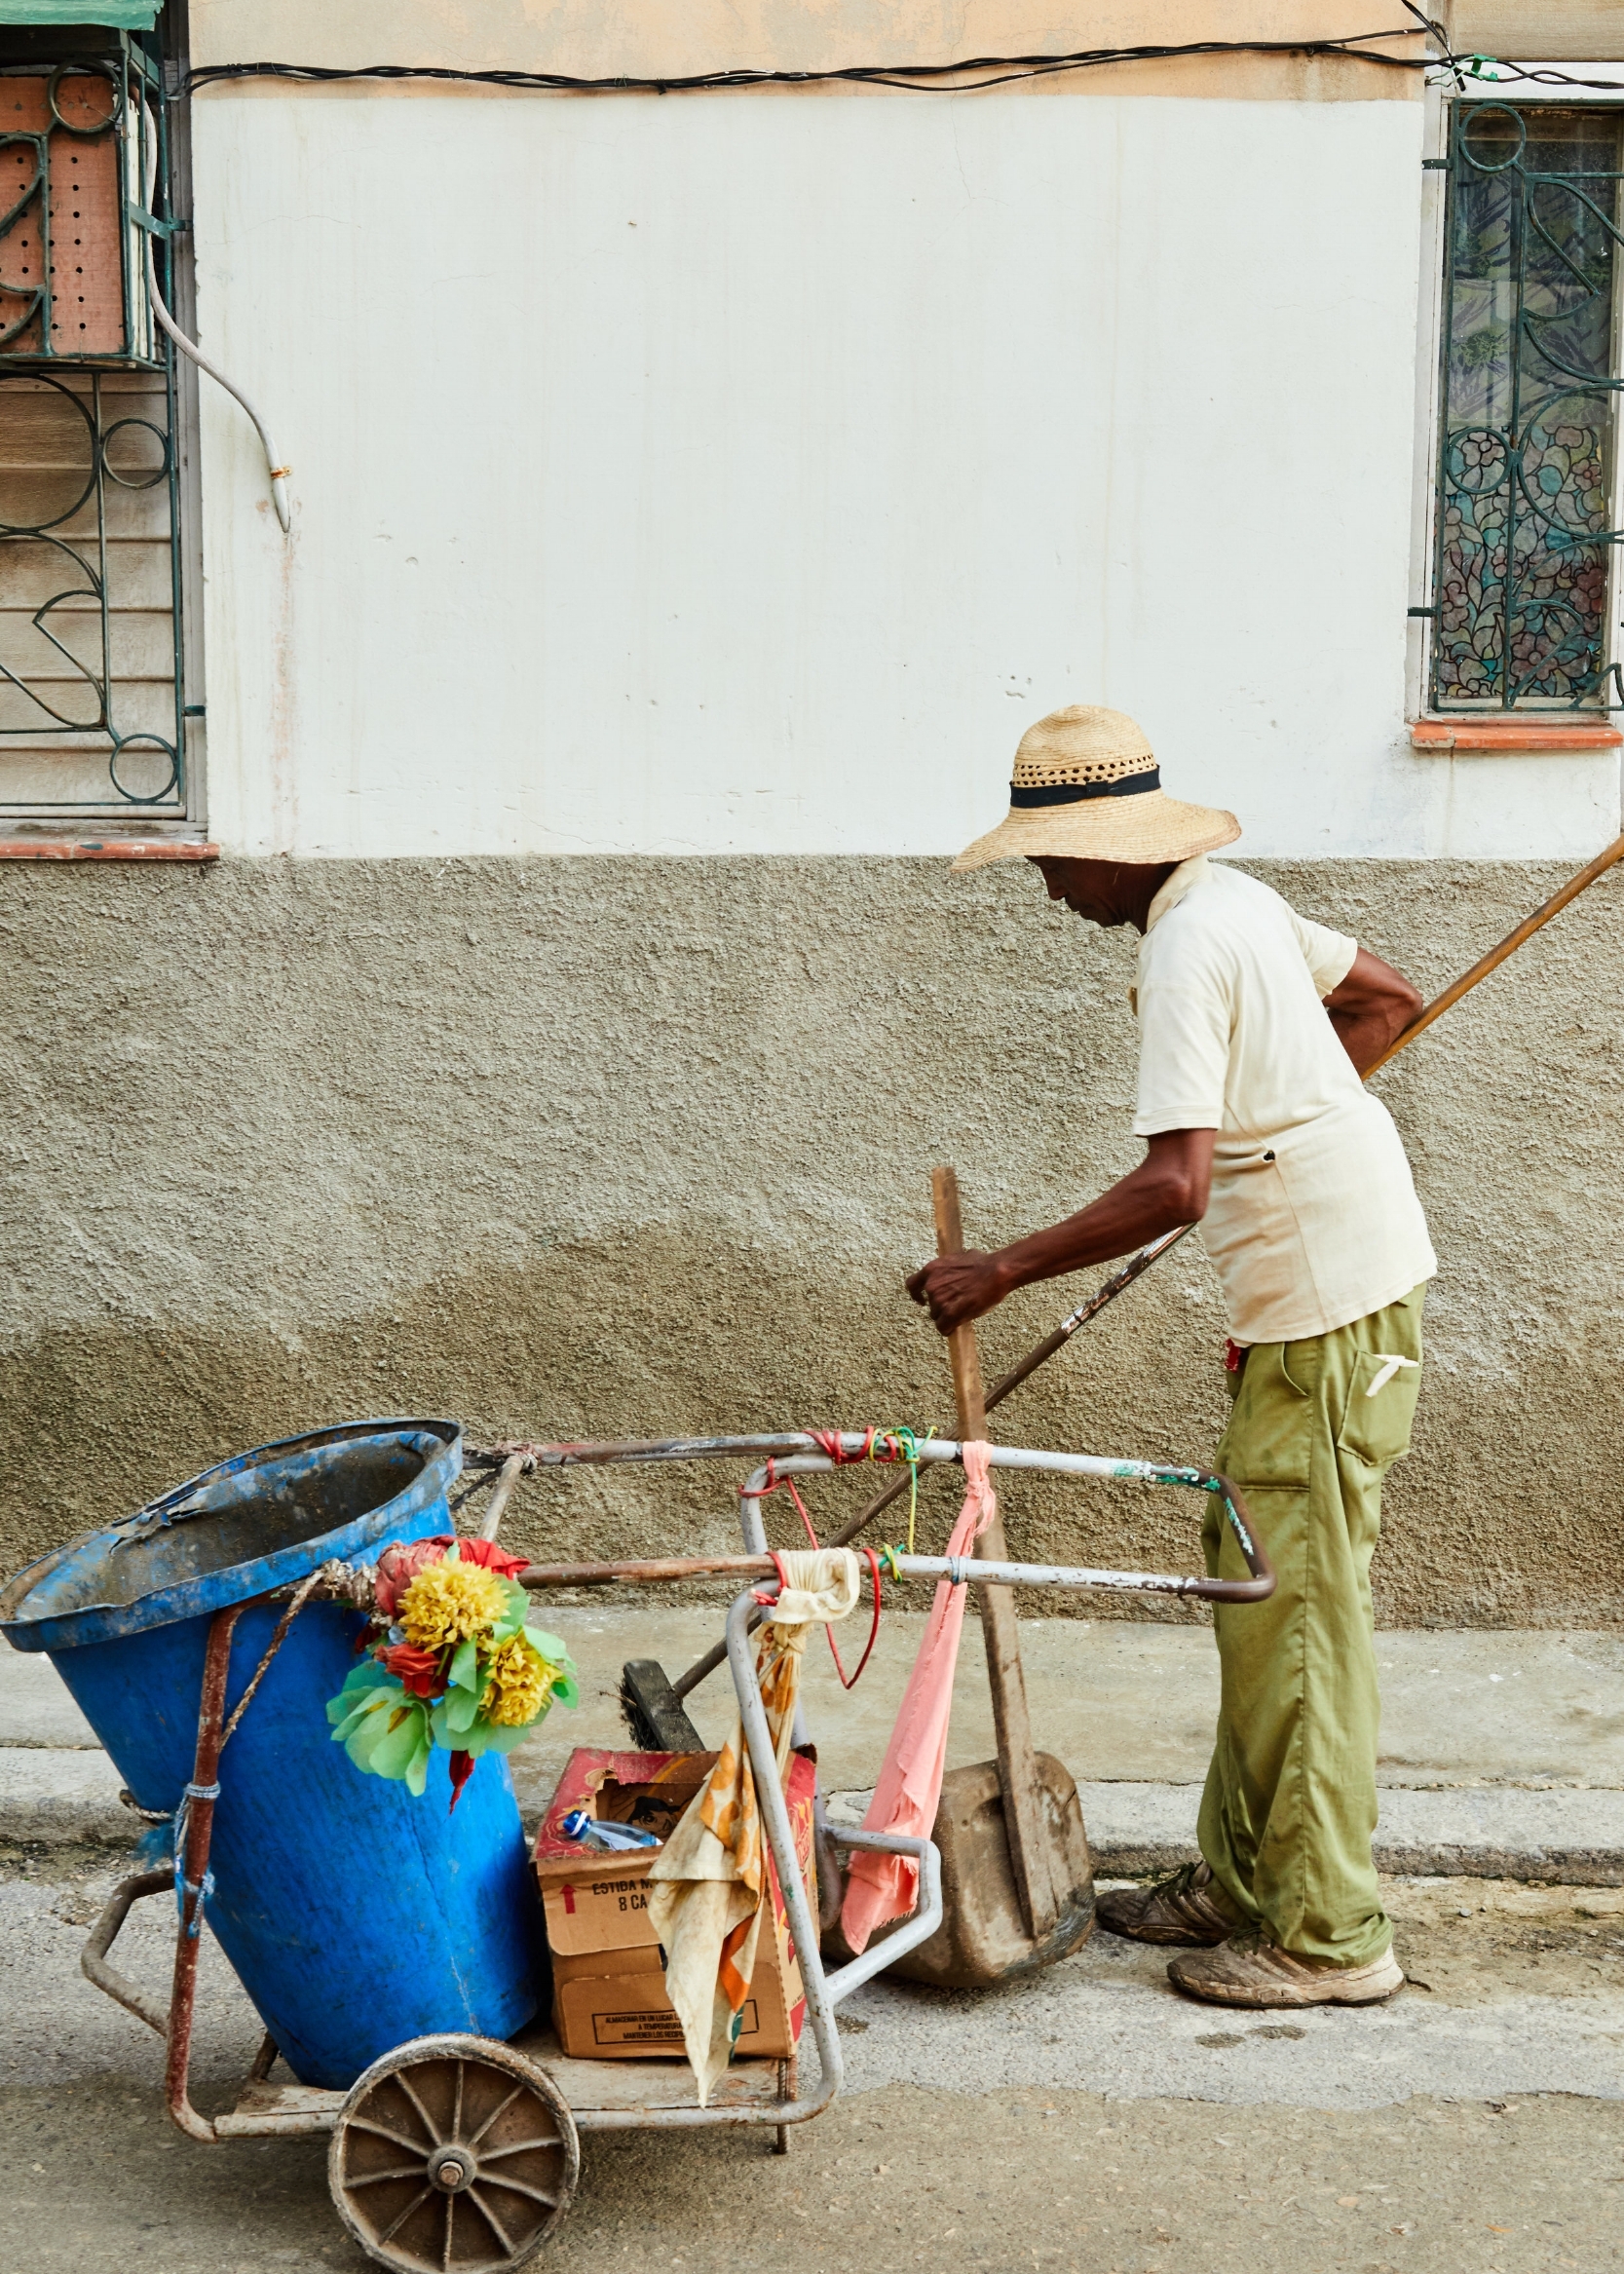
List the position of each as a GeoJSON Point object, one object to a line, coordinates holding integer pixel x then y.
{"type": "Point", "coordinates": [462, 2152]}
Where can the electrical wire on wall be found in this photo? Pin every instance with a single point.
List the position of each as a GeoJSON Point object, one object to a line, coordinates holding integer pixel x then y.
{"type": "Point", "coordinates": [273, 466]}
{"type": "Point", "coordinates": [943, 78]}
{"type": "Point", "coordinates": [903, 78]}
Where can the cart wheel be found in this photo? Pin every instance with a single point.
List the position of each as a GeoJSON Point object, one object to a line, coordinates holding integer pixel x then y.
{"type": "Point", "coordinates": [453, 2155]}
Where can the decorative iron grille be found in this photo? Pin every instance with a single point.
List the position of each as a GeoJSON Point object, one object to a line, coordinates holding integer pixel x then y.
{"type": "Point", "coordinates": [1525, 535]}
{"type": "Point", "coordinates": [93, 712]}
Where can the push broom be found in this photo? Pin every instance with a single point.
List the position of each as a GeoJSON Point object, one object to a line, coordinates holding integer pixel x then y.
{"type": "Point", "coordinates": [1137, 1264]}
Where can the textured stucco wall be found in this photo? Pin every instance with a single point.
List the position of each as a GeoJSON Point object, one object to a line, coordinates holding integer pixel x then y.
{"type": "Point", "coordinates": [620, 1147]}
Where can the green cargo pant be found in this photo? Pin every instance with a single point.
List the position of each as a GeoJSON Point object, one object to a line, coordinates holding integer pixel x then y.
{"type": "Point", "coordinates": [1290, 1800]}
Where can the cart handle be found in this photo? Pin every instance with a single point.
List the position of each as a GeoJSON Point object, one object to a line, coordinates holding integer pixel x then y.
{"type": "Point", "coordinates": [797, 1452]}
{"type": "Point", "coordinates": [963, 1570]}
{"type": "Point", "coordinates": [92, 1959]}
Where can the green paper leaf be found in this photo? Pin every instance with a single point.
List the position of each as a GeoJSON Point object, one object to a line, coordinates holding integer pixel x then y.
{"type": "Point", "coordinates": [365, 1675]}
{"type": "Point", "coordinates": [549, 1647]}
{"type": "Point", "coordinates": [465, 1666]}
{"type": "Point", "coordinates": [493, 1737]}
{"type": "Point", "coordinates": [359, 1744]}
{"type": "Point", "coordinates": [369, 1728]}
{"type": "Point", "coordinates": [504, 1740]}
{"type": "Point", "coordinates": [513, 1617]}
{"type": "Point", "coordinates": [417, 1773]}
{"type": "Point", "coordinates": [347, 1726]}
{"type": "Point", "coordinates": [396, 1750]}
{"type": "Point", "coordinates": [382, 1693]}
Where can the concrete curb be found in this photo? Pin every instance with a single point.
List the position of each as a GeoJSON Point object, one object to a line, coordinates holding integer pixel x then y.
{"type": "Point", "coordinates": [64, 1799]}
{"type": "Point", "coordinates": [1487, 1831]}
{"type": "Point", "coordinates": [1574, 1838]}
{"type": "Point", "coordinates": [1493, 1832]}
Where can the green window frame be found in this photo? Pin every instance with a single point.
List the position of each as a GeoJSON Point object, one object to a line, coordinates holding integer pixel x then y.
{"type": "Point", "coordinates": [1526, 536]}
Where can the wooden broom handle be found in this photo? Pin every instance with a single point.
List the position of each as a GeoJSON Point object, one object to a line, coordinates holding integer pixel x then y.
{"type": "Point", "coordinates": [1497, 955]}
{"type": "Point", "coordinates": [1036, 1866]}
{"type": "Point", "coordinates": [967, 1393]}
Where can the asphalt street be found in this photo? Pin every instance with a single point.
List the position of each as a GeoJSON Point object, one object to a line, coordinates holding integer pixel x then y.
{"type": "Point", "coordinates": [1088, 2120]}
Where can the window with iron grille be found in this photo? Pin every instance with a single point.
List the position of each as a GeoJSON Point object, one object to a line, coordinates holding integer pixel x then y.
{"type": "Point", "coordinates": [92, 681]}
{"type": "Point", "coordinates": [1526, 526]}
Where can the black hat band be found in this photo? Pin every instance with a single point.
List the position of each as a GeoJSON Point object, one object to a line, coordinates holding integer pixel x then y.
{"type": "Point", "coordinates": [1072, 793]}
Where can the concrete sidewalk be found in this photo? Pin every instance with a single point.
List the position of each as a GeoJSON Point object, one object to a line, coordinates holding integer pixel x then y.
{"type": "Point", "coordinates": [1502, 1752]}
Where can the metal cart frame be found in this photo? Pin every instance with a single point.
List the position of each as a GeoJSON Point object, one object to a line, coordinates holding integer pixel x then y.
{"type": "Point", "coordinates": [451, 2165]}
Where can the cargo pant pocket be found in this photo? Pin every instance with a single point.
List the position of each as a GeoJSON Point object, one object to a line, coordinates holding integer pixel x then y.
{"type": "Point", "coordinates": [1380, 1409]}
{"type": "Point", "coordinates": [1269, 1436]}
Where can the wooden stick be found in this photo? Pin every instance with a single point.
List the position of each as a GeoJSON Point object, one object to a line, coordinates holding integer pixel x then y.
{"type": "Point", "coordinates": [645, 1572]}
{"type": "Point", "coordinates": [1497, 955]}
{"type": "Point", "coordinates": [1031, 1850]}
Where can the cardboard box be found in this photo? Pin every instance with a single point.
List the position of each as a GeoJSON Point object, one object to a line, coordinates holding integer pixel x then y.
{"type": "Point", "coordinates": [609, 2000]}
{"type": "Point", "coordinates": [611, 2005]}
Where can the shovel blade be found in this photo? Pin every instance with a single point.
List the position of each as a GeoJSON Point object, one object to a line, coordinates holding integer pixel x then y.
{"type": "Point", "coordinates": [982, 1938]}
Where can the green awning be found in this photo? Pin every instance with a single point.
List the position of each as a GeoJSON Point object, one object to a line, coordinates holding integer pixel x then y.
{"type": "Point", "coordinates": [126, 15]}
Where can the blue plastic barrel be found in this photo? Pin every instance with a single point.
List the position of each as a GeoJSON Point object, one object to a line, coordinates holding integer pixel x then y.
{"type": "Point", "coordinates": [354, 1916]}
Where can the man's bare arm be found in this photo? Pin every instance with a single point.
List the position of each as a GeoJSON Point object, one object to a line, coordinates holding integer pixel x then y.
{"type": "Point", "coordinates": [1370, 1009]}
{"type": "Point", "coordinates": [1169, 1188]}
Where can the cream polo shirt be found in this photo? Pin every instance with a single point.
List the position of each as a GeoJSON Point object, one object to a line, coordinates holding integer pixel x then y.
{"type": "Point", "coordinates": [1314, 1219]}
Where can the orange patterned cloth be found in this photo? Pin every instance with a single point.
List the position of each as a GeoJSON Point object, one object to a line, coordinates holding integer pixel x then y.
{"type": "Point", "coordinates": [708, 1886]}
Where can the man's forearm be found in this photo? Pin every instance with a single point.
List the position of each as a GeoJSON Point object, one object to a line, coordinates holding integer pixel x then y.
{"type": "Point", "coordinates": [1365, 1034]}
{"type": "Point", "coordinates": [1143, 1205]}
{"type": "Point", "coordinates": [1370, 1009]}
{"type": "Point", "coordinates": [1168, 1189]}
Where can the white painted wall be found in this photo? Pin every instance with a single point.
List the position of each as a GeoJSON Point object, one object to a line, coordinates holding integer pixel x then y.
{"type": "Point", "coordinates": [743, 474]}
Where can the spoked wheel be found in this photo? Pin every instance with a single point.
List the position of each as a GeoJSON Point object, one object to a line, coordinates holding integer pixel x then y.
{"type": "Point", "coordinates": [453, 2155]}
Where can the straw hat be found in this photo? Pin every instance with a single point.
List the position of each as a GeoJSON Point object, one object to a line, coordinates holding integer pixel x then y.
{"type": "Point", "coordinates": [1087, 786]}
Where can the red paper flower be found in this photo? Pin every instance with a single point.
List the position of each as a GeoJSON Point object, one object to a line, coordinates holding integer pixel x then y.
{"type": "Point", "coordinates": [462, 1768]}
{"type": "Point", "coordinates": [491, 1558]}
{"type": "Point", "coordinates": [399, 1567]}
{"type": "Point", "coordinates": [417, 1670]}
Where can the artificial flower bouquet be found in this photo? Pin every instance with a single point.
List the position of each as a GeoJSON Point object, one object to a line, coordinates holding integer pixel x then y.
{"type": "Point", "coordinates": [449, 1661]}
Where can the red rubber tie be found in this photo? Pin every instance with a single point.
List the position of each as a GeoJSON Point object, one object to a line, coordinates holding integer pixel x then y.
{"type": "Point", "coordinates": [845, 1682]}
{"type": "Point", "coordinates": [829, 1445]}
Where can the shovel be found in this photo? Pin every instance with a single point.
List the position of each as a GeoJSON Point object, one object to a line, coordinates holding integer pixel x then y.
{"type": "Point", "coordinates": [1017, 1882]}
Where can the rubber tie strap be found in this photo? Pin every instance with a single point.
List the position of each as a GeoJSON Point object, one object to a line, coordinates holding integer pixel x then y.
{"type": "Point", "coordinates": [183, 1886]}
{"type": "Point", "coordinates": [873, 1632]}
{"type": "Point", "coordinates": [891, 1562]}
{"type": "Point", "coordinates": [958, 1570]}
{"type": "Point", "coordinates": [828, 1443]}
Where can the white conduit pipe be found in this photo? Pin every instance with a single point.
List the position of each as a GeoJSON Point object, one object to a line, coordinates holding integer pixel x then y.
{"type": "Point", "coordinates": [272, 464]}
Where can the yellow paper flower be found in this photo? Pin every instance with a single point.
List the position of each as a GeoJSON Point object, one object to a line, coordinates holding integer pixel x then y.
{"type": "Point", "coordinates": [447, 1602]}
{"type": "Point", "coordinates": [519, 1685]}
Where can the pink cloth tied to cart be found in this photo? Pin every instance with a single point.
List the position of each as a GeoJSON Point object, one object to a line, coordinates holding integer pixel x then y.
{"type": "Point", "coordinates": [879, 1888]}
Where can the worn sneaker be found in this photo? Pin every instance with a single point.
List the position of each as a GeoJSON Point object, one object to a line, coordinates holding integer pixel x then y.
{"type": "Point", "coordinates": [1248, 1970]}
{"type": "Point", "coordinates": [1187, 1909]}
